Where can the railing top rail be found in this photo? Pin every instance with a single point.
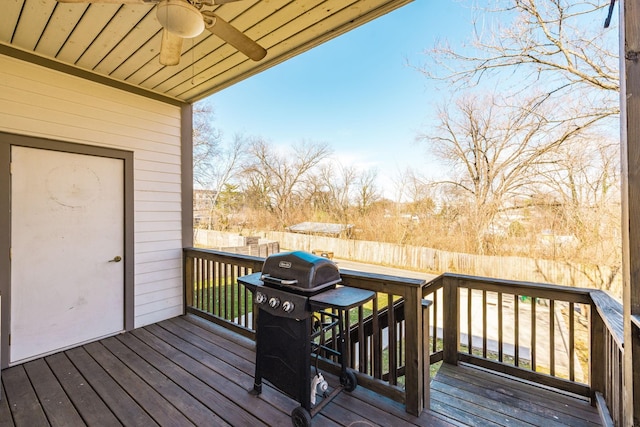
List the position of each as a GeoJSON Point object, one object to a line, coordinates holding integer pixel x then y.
{"type": "Point", "coordinates": [375, 281]}
{"type": "Point", "coordinates": [381, 282]}
{"type": "Point", "coordinates": [383, 278]}
{"type": "Point", "coordinates": [219, 255]}
{"type": "Point", "coordinates": [610, 311]}
{"type": "Point", "coordinates": [537, 290]}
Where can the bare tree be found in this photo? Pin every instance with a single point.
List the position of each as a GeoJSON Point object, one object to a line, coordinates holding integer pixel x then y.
{"type": "Point", "coordinates": [493, 148]}
{"type": "Point", "coordinates": [206, 140]}
{"type": "Point", "coordinates": [276, 178]}
{"type": "Point", "coordinates": [557, 56]}
{"type": "Point", "coordinates": [219, 171]}
{"type": "Point", "coordinates": [583, 180]}
{"type": "Point", "coordinates": [338, 183]}
{"type": "Point", "coordinates": [416, 191]}
{"type": "Point", "coordinates": [368, 192]}
{"type": "Point", "coordinates": [560, 44]}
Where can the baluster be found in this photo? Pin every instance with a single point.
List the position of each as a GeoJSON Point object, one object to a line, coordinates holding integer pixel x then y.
{"type": "Point", "coordinates": [516, 329]}
{"type": "Point", "coordinates": [469, 321]}
{"type": "Point", "coordinates": [391, 331]}
{"type": "Point", "coordinates": [552, 337]}
{"type": "Point", "coordinates": [533, 333]}
{"type": "Point", "coordinates": [484, 323]}
{"type": "Point", "coordinates": [500, 337]}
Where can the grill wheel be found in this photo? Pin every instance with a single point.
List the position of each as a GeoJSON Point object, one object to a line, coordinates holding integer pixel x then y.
{"type": "Point", "coordinates": [301, 417]}
{"type": "Point", "coordinates": [349, 380]}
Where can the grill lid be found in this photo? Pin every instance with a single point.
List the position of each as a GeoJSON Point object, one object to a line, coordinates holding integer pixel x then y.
{"type": "Point", "coordinates": [300, 271]}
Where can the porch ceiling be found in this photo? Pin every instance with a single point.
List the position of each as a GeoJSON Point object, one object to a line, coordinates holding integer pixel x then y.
{"type": "Point", "coordinates": [120, 44]}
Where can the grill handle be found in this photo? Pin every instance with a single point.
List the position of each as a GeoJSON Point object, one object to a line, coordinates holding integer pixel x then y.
{"type": "Point", "coordinates": [285, 282]}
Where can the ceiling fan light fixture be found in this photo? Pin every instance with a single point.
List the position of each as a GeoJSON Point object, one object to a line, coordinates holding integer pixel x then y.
{"type": "Point", "coordinates": [180, 18]}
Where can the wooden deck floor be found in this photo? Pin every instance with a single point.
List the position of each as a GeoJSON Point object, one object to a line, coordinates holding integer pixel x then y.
{"type": "Point", "coordinates": [475, 397]}
{"type": "Point", "coordinates": [186, 371]}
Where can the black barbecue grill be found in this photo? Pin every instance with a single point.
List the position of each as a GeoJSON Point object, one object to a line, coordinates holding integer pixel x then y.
{"type": "Point", "coordinates": [299, 304]}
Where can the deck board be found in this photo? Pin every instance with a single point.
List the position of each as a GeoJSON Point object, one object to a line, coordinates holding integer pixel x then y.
{"type": "Point", "coordinates": [225, 378]}
{"type": "Point", "coordinates": [91, 407]}
{"type": "Point", "coordinates": [22, 399]}
{"type": "Point", "coordinates": [150, 399]}
{"type": "Point", "coordinates": [54, 400]}
{"type": "Point", "coordinates": [549, 403]}
{"type": "Point", "coordinates": [221, 390]}
{"type": "Point", "coordinates": [5, 415]}
{"type": "Point", "coordinates": [153, 375]}
{"type": "Point", "coordinates": [466, 393]}
{"type": "Point", "coordinates": [187, 371]}
{"type": "Point", "coordinates": [123, 406]}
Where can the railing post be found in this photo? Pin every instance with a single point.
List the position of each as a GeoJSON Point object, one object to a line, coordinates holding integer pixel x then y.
{"type": "Point", "coordinates": [187, 265]}
{"type": "Point", "coordinates": [597, 362]}
{"type": "Point", "coordinates": [414, 375]}
{"type": "Point", "coordinates": [450, 320]}
{"type": "Point", "coordinates": [426, 363]}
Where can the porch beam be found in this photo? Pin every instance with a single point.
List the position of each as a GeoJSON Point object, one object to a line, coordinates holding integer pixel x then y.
{"type": "Point", "coordinates": [630, 161]}
{"type": "Point", "coordinates": [186, 153]}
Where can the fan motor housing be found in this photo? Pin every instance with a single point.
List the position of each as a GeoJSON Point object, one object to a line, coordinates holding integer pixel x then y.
{"type": "Point", "coordinates": [180, 18]}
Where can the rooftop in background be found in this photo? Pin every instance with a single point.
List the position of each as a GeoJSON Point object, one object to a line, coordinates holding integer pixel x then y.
{"type": "Point", "coordinates": [326, 228]}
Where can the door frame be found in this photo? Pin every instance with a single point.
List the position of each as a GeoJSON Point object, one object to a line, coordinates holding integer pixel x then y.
{"type": "Point", "coordinates": [7, 140]}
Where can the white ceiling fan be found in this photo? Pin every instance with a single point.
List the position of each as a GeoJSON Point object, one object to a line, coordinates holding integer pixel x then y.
{"type": "Point", "coordinates": [182, 19]}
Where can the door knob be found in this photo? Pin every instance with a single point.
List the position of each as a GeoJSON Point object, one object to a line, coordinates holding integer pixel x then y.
{"type": "Point", "coordinates": [116, 258]}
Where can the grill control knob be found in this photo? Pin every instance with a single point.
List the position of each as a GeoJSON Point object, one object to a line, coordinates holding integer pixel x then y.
{"type": "Point", "coordinates": [274, 302]}
{"type": "Point", "coordinates": [261, 298]}
{"type": "Point", "coordinates": [288, 306]}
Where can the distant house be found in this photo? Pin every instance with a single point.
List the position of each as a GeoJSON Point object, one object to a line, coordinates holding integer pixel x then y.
{"type": "Point", "coordinates": [323, 229]}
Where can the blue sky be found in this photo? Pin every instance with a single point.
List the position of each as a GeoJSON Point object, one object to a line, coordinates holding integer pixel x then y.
{"type": "Point", "coordinates": [355, 92]}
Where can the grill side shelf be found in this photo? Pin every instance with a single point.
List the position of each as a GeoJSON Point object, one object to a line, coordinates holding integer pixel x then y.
{"type": "Point", "coordinates": [341, 298]}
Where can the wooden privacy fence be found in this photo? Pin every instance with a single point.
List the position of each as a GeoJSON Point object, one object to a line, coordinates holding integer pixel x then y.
{"type": "Point", "coordinates": [434, 260]}
{"type": "Point", "coordinates": [234, 243]}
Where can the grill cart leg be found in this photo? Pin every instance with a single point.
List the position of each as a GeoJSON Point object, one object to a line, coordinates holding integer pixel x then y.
{"type": "Point", "coordinates": [257, 377]}
{"type": "Point", "coordinates": [257, 388]}
{"type": "Point", "coordinates": [347, 376]}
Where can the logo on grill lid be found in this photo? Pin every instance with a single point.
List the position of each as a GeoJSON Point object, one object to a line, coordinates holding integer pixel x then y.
{"type": "Point", "coordinates": [284, 264]}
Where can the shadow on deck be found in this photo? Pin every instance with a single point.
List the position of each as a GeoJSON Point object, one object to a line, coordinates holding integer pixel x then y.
{"type": "Point", "coordinates": [186, 371]}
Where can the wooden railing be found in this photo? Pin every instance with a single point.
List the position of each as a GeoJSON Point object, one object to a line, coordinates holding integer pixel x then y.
{"type": "Point", "coordinates": [212, 290]}
{"type": "Point", "coordinates": [561, 337]}
{"type": "Point", "coordinates": [521, 329]}
{"type": "Point", "coordinates": [567, 338]}
{"type": "Point", "coordinates": [607, 355]}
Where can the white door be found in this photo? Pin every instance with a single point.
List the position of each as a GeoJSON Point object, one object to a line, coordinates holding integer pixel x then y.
{"type": "Point", "coordinates": [67, 243]}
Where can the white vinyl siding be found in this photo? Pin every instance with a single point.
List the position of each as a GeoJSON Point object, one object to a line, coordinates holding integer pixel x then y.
{"type": "Point", "coordinates": [40, 102]}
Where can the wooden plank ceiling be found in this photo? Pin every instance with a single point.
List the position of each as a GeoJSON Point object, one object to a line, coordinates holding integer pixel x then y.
{"type": "Point", "coordinates": [120, 43]}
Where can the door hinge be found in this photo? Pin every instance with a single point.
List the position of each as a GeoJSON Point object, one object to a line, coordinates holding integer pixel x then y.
{"type": "Point", "coordinates": [9, 339]}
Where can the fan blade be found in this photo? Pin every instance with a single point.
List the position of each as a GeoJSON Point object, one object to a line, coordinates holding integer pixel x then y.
{"type": "Point", "coordinates": [111, 1]}
{"type": "Point", "coordinates": [233, 36]}
{"type": "Point", "coordinates": [205, 2]}
{"type": "Point", "coordinates": [170, 49]}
